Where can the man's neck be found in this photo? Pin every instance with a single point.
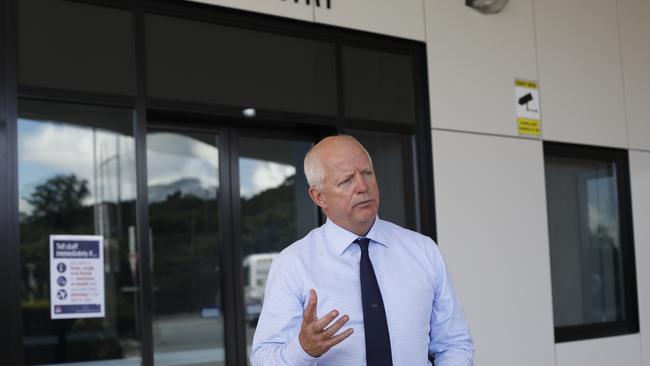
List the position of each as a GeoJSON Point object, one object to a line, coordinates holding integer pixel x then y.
{"type": "Point", "coordinates": [358, 230]}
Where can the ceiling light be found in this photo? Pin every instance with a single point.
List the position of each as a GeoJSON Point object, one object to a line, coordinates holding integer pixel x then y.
{"type": "Point", "coordinates": [249, 112]}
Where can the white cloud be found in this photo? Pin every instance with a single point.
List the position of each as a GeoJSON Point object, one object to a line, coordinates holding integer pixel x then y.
{"type": "Point", "coordinates": [171, 157]}
{"type": "Point", "coordinates": [259, 175]}
{"type": "Point", "coordinates": [51, 149]}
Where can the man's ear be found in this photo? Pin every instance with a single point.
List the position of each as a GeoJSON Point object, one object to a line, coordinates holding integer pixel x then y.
{"type": "Point", "coordinates": [317, 197]}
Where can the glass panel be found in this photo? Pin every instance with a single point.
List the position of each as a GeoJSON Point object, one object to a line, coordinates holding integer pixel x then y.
{"type": "Point", "coordinates": [586, 262]}
{"type": "Point", "coordinates": [276, 211]}
{"type": "Point", "coordinates": [69, 45]}
{"type": "Point", "coordinates": [76, 175]}
{"type": "Point", "coordinates": [183, 181]}
{"type": "Point", "coordinates": [378, 85]}
{"type": "Point", "coordinates": [209, 63]}
{"type": "Point", "coordinates": [392, 157]}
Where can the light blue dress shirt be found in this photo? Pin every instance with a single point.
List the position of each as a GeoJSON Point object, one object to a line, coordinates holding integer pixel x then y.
{"type": "Point", "coordinates": [423, 312]}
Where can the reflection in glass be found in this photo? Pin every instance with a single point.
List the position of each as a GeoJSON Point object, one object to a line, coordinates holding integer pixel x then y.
{"type": "Point", "coordinates": [76, 175]}
{"type": "Point", "coordinates": [275, 212]}
{"type": "Point", "coordinates": [392, 157]}
{"type": "Point", "coordinates": [585, 241]}
{"type": "Point", "coordinates": [183, 184]}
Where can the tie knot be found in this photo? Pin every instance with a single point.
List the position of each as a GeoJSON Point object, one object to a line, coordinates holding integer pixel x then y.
{"type": "Point", "coordinates": [364, 243]}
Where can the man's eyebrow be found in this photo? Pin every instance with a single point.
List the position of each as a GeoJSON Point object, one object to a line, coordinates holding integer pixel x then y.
{"type": "Point", "coordinates": [346, 176]}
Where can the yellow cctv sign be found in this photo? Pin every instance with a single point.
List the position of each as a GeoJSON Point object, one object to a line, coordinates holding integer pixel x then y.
{"type": "Point", "coordinates": [527, 106]}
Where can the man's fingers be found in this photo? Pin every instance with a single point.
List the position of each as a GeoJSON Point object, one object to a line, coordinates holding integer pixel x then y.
{"type": "Point", "coordinates": [309, 314]}
{"type": "Point", "coordinates": [339, 338]}
{"type": "Point", "coordinates": [321, 323]}
{"type": "Point", "coordinates": [332, 329]}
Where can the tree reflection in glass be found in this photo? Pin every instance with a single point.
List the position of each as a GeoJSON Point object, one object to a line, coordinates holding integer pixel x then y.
{"type": "Point", "coordinates": [76, 169]}
{"type": "Point", "coordinates": [183, 183]}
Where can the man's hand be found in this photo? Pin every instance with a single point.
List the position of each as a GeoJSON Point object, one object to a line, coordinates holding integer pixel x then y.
{"type": "Point", "coordinates": [314, 338]}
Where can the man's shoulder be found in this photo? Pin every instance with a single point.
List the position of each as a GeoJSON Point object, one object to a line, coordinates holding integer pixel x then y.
{"type": "Point", "coordinates": [405, 234]}
{"type": "Point", "coordinates": [302, 246]}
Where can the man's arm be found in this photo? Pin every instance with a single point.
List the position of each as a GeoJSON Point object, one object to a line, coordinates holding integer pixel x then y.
{"type": "Point", "coordinates": [288, 335]}
{"type": "Point", "coordinates": [450, 341]}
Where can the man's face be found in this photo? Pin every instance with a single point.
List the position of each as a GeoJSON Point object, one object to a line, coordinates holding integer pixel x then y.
{"type": "Point", "coordinates": [349, 196]}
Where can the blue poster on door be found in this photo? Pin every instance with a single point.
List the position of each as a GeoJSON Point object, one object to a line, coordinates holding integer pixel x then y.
{"type": "Point", "coordinates": [77, 276]}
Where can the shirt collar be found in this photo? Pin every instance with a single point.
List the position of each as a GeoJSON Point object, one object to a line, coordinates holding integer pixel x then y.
{"type": "Point", "coordinates": [340, 239]}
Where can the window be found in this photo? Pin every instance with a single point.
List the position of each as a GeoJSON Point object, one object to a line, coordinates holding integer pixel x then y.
{"type": "Point", "coordinates": [591, 246]}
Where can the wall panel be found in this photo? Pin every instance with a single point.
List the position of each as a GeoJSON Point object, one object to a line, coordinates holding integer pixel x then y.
{"type": "Point", "coordinates": [402, 18]}
{"type": "Point", "coordinates": [623, 350]}
{"type": "Point", "coordinates": [491, 217]}
{"type": "Point", "coordinates": [473, 62]}
{"type": "Point", "coordinates": [289, 9]}
{"type": "Point", "coordinates": [640, 181]}
{"type": "Point", "coordinates": [580, 71]}
{"type": "Point", "coordinates": [635, 30]}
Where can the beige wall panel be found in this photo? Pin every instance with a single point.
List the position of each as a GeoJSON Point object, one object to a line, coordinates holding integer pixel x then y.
{"type": "Point", "coordinates": [492, 229]}
{"type": "Point", "coordinates": [640, 181]}
{"type": "Point", "coordinates": [609, 351]}
{"type": "Point", "coordinates": [403, 18]}
{"type": "Point", "coordinates": [580, 71]}
{"type": "Point", "coordinates": [635, 43]}
{"type": "Point", "coordinates": [287, 9]}
{"type": "Point", "coordinates": [473, 61]}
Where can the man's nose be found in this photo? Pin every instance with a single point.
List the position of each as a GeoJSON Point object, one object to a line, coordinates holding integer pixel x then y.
{"type": "Point", "coordinates": [361, 185]}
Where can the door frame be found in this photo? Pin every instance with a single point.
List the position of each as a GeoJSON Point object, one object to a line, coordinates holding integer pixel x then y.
{"type": "Point", "coordinates": [230, 254]}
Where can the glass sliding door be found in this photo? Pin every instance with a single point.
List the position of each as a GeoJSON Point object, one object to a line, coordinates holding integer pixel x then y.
{"type": "Point", "coordinates": [183, 187]}
{"type": "Point", "coordinates": [275, 211]}
{"type": "Point", "coordinates": [76, 176]}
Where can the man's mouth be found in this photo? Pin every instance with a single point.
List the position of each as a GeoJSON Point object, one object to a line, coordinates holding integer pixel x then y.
{"type": "Point", "coordinates": [363, 203]}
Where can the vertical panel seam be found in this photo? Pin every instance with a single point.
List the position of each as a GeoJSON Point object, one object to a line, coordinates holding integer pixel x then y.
{"type": "Point", "coordinates": [623, 84]}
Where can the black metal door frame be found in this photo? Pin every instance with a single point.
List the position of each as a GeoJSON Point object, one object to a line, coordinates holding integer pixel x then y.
{"type": "Point", "coordinates": [314, 126]}
{"type": "Point", "coordinates": [230, 253]}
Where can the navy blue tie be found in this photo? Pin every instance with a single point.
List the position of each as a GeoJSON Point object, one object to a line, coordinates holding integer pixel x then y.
{"type": "Point", "coordinates": [374, 314]}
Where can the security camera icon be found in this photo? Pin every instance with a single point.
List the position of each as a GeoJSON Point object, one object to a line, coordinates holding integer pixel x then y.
{"type": "Point", "coordinates": [525, 100]}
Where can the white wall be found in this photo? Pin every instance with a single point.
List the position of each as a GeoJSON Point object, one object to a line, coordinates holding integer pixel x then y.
{"type": "Point", "coordinates": [640, 181]}
{"type": "Point", "coordinates": [286, 9]}
{"type": "Point", "coordinates": [473, 62]}
{"type": "Point", "coordinates": [580, 71]}
{"type": "Point", "coordinates": [403, 18]}
{"type": "Point", "coordinates": [491, 220]}
{"type": "Point", "coordinates": [623, 351]}
{"type": "Point", "coordinates": [635, 45]}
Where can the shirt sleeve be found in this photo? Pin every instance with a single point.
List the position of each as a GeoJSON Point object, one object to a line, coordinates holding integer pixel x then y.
{"type": "Point", "coordinates": [276, 338]}
{"type": "Point", "coordinates": [450, 342]}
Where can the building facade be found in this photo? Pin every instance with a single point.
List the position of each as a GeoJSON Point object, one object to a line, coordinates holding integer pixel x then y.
{"type": "Point", "coordinates": [175, 132]}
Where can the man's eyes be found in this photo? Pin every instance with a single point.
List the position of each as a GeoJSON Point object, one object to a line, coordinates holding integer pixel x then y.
{"type": "Point", "coordinates": [345, 182]}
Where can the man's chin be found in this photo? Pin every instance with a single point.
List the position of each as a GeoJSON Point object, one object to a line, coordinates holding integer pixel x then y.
{"type": "Point", "coordinates": [367, 215]}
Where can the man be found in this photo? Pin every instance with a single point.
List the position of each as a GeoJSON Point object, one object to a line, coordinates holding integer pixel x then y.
{"type": "Point", "coordinates": [358, 290]}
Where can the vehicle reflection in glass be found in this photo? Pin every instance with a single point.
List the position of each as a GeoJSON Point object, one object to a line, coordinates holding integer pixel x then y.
{"type": "Point", "coordinates": [275, 212]}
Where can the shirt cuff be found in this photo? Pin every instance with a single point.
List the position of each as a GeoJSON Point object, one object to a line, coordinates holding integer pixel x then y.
{"type": "Point", "coordinates": [297, 354]}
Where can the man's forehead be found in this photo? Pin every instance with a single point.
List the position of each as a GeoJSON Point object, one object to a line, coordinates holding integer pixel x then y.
{"type": "Point", "coordinates": [347, 166]}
